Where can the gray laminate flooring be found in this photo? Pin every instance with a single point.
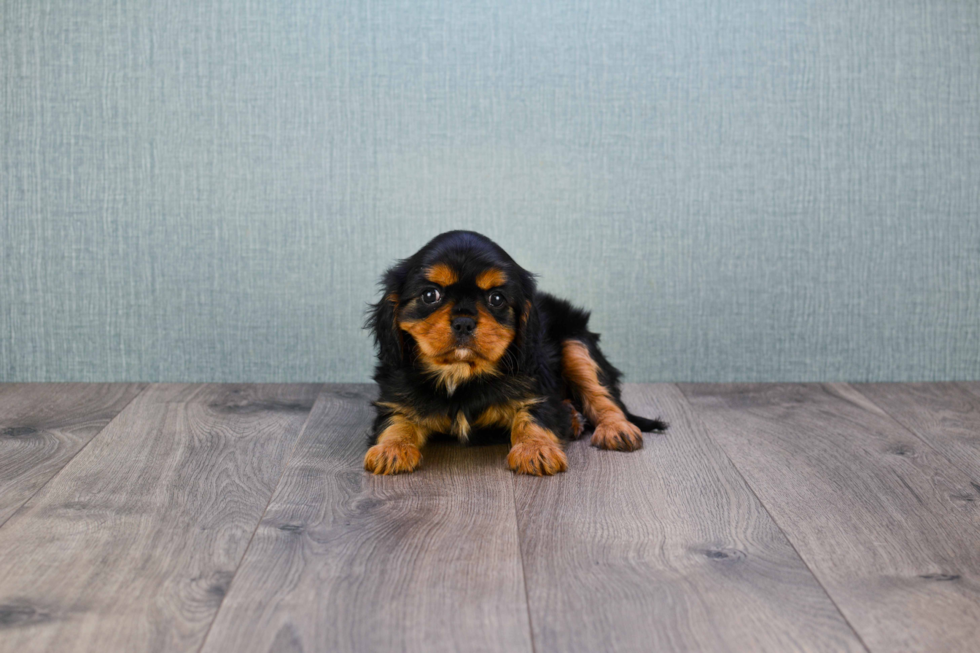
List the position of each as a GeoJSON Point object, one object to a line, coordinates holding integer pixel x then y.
{"type": "Point", "coordinates": [211, 517]}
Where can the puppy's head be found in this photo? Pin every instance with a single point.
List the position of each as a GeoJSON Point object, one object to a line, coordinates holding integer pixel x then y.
{"type": "Point", "coordinates": [458, 308]}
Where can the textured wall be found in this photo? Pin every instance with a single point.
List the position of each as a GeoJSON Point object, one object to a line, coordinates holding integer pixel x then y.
{"type": "Point", "coordinates": [758, 190]}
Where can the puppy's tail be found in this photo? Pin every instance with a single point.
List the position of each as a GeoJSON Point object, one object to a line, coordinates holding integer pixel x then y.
{"type": "Point", "coordinates": [647, 425]}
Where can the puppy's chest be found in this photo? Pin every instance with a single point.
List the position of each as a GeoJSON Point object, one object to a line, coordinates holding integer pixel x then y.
{"type": "Point", "coordinates": [461, 420]}
{"type": "Point", "coordinates": [475, 406]}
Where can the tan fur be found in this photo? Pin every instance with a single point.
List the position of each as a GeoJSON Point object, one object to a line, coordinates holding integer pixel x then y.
{"type": "Point", "coordinates": [442, 274]}
{"type": "Point", "coordinates": [430, 423]}
{"type": "Point", "coordinates": [612, 429]}
{"type": "Point", "coordinates": [434, 334]}
{"type": "Point", "coordinates": [535, 450]}
{"type": "Point", "coordinates": [397, 450]}
{"type": "Point", "coordinates": [492, 338]}
{"type": "Point", "coordinates": [461, 427]}
{"type": "Point", "coordinates": [491, 278]}
{"type": "Point", "coordinates": [450, 375]}
{"type": "Point", "coordinates": [578, 421]}
{"type": "Point", "coordinates": [504, 414]}
{"type": "Point", "coordinates": [439, 356]}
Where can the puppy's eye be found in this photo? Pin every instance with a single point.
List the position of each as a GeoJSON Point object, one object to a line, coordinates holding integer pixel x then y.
{"type": "Point", "coordinates": [431, 296]}
{"type": "Point", "coordinates": [495, 299]}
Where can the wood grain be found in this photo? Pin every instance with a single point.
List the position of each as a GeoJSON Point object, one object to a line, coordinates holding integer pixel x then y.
{"type": "Point", "coordinates": [946, 416]}
{"type": "Point", "coordinates": [665, 549]}
{"type": "Point", "coordinates": [348, 561]}
{"type": "Point", "coordinates": [132, 546]}
{"type": "Point", "coordinates": [874, 512]}
{"type": "Point", "coordinates": [970, 386]}
{"type": "Point", "coordinates": [42, 425]}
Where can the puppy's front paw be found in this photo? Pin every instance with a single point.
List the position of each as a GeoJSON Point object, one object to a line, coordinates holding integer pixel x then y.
{"type": "Point", "coordinates": [619, 435]}
{"type": "Point", "coordinates": [392, 458]}
{"type": "Point", "coordinates": [537, 458]}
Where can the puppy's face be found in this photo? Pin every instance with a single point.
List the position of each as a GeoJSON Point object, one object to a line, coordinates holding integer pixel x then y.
{"type": "Point", "coordinates": [458, 304]}
{"type": "Point", "coordinates": [461, 317]}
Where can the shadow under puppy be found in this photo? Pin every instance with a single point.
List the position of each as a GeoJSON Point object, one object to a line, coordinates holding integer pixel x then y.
{"type": "Point", "coordinates": [466, 343]}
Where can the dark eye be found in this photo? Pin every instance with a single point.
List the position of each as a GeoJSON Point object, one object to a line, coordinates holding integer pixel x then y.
{"type": "Point", "coordinates": [495, 299]}
{"type": "Point", "coordinates": [431, 296]}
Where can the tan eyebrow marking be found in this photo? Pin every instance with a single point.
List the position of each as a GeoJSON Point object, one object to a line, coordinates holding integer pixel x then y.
{"type": "Point", "coordinates": [442, 274]}
{"type": "Point", "coordinates": [491, 279]}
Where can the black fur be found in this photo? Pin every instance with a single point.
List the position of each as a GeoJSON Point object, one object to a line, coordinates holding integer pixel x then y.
{"type": "Point", "coordinates": [531, 366]}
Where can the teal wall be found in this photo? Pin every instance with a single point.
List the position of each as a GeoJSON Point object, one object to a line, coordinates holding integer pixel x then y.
{"type": "Point", "coordinates": [740, 190]}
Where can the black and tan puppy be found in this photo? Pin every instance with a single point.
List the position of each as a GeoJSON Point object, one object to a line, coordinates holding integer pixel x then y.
{"type": "Point", "coordinates": [466, 344]}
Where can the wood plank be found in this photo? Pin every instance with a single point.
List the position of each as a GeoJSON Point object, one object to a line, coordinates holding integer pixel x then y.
{"type": "Point", "coordinates": [132, 546]}
{"type": "Point", "coordinates": [665, 548]}
{"type": "Point", "coordinates": [874, 512]}
{"type": "Point", "coordinates": [970, 386]}
{"type": "Point", "coordinates": [347, 561]}
{"type": "Point", "coordinates": [946, 416]}
{"type": "Point", "coordinates": [42, 425]}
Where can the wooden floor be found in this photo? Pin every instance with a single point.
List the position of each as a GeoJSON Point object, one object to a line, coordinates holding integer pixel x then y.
{"type": "Point", "coordinates": [771, 517]}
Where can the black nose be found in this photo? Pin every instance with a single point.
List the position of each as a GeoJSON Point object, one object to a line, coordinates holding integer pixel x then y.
{"type": "Point", "coordinates": [463, 326]}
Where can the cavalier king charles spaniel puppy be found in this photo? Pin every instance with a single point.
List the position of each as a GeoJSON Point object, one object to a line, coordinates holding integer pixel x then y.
{"type": "Point", "coordinates": [466, 344]}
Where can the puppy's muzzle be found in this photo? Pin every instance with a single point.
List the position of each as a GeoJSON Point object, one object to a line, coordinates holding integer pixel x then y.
{"type": "Point", "coordinates": [463, 327]}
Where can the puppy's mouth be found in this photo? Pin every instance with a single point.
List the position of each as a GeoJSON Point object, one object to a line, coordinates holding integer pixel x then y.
{"type": "Point", "coordinates": [458, 354]}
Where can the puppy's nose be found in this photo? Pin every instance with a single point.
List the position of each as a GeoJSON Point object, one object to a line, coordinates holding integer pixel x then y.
{"type": "Point", "coordinates": [463, 326]}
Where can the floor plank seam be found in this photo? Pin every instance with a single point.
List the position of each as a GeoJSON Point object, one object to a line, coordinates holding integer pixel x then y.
{"type": "Point", "coordinates": [520, 549]}
{"type": "Point", "coordinates": [694, 415]}
{"type": "Point", "coordinates": [139, 394]}
{"type": "Point", "coordinates": [285, 466]}
{"type": "Point", "coordinates": [910, 430]}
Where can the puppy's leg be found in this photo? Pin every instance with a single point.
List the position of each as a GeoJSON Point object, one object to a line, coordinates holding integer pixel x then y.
{"type": "Point", "coordinates": [397, 450]}
{"type": "Point", "coordinates": [535, 449]}
{"type": "Point", "coordinates": [576, 418]}
{"type": "Point", "coordinates": [612, 429]}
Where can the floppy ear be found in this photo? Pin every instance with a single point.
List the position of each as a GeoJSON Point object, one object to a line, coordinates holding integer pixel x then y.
{"type": "Point", "coordinates": [382, 318]}
{"type": "Point", "coordinates": [528, 326]}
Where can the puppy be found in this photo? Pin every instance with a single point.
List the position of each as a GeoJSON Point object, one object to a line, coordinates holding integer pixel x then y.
{"type": "Point", "coordinates": [466, 343]}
